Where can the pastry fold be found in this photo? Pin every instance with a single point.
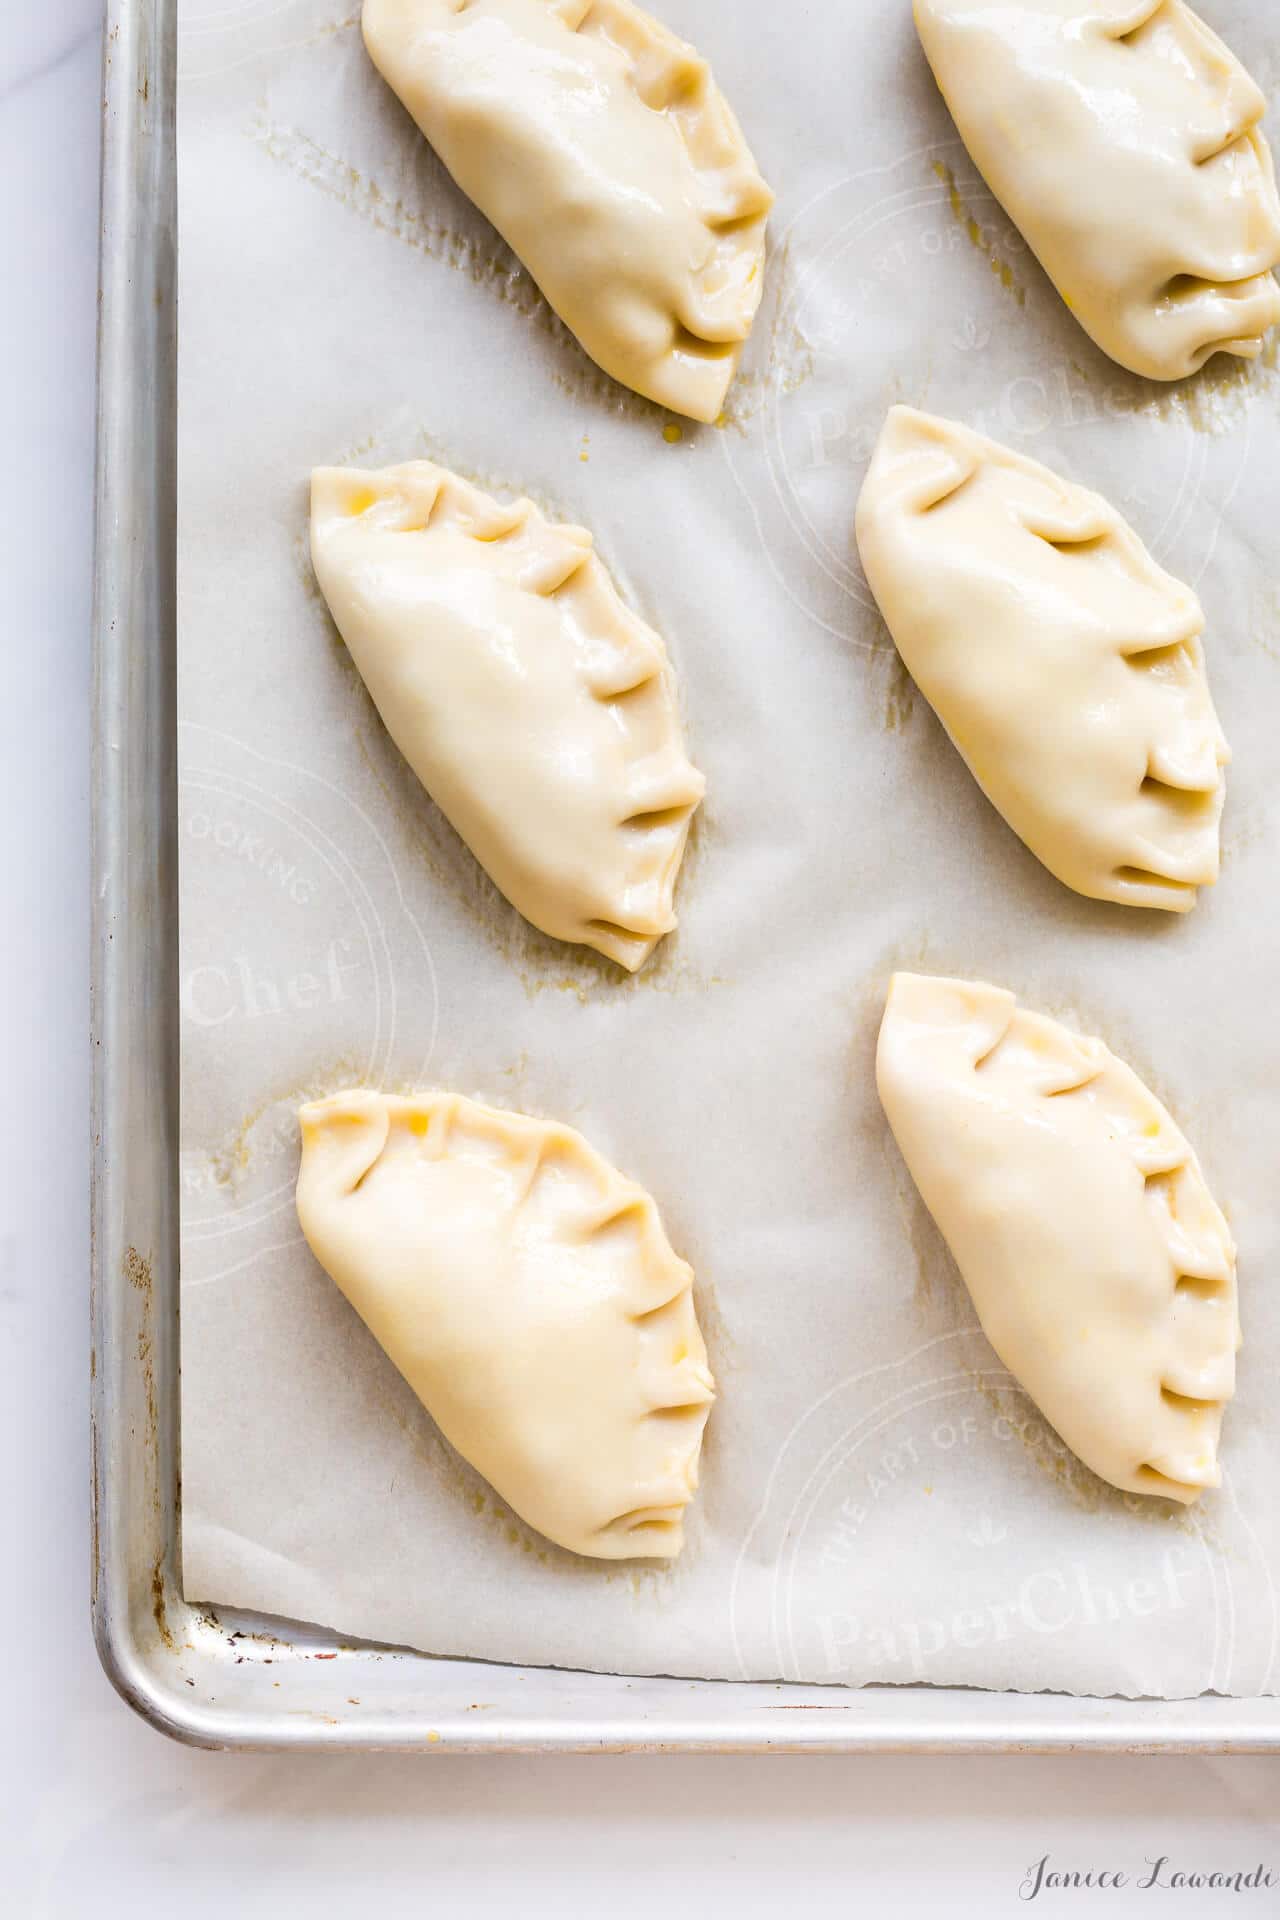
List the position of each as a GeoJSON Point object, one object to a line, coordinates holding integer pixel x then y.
{"type": "Point", "coordinates": [1102, 1271]}
{"type": "Point", "coordinates": [529, 1296]}
{"type": "Point", "coordinates": [538, 711]}
{"type": "Point", "coordinates": [1125, 141]}
{"type": "Point", "coordinates": [602, 150]}
{"type": "Point", "coordinates": [1065, 665]}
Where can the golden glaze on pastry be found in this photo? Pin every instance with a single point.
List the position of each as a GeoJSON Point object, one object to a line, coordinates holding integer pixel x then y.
{"type": "Point", "coordinates": [539, 713]}
{"type": "Point", "coordinates": [528, 1294]}
{"type": "Point", "coordinates": [1126, 142]}
{"type": "Point", "coordinates": [1063, 662]}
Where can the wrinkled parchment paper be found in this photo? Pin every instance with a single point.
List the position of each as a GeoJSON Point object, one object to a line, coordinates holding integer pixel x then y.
{"type": "Point", "coordinates": [879, 1500]}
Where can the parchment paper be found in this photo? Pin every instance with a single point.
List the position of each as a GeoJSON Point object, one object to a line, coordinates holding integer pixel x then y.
{"type": "Point", "coordinates": [879, 1500]}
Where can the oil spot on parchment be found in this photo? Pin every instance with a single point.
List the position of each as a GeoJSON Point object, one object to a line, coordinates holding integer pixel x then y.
{"type": "Point", "coordinates": [900, 692]}
{"type": "Point", "coordinates": [1216, 400]}
{"type": "Point", "coordinates": [494, 268]}
{"type": "Point", "coordinates": [490, 265]}
{"type": "Point", "coordinates": [248, 1144]}
{"type": "Point", "coordinates": [1214, 403]}
{"type": "Point", "coordinates": [978, 239]}
{"type": "Point", "coordinates": [1065, 1472]}
{"type": "Point", "coordinates": [789, 358]}
{"type": "Point", "coordinates": [504, 1529]}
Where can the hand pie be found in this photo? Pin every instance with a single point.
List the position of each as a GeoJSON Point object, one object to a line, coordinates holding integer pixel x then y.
{"type": "Point", "coordinates": [1102, 1272]}
{"type": "Point", "coordinates": [529, 1296]}
{"type": "Point", "coordinates": [1125, 141]}
{"type": "Point", "coordinates": [538, 712]}
{"type": "Point", "coordinates": [603, 152]}
{"type": "Point", "coordinates": [1063, 662]}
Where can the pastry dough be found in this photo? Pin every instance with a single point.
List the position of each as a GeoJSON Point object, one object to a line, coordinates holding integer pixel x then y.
{"type": "Point", "coordinates": [1125, 141]}
{"type": "Point", "coordinates": [602, 150]}
{"type": "Point", "coordinates": [529, 1296]}
{"type": "Point", "coordinates": [1063, 662]}
{"type": "Point", "coordinates": [1102, 1272]}
{"type": "Point", "coordinates": [536, 710]}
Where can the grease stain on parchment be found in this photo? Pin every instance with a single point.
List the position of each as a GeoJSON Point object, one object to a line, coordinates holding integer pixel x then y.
{"type": "Point", "coordinates": [1214, 403]}
{"type": "Point", "coordinates": [491, 265]}
{"type": "Point", "coordinates": [497, 270]}
{"type": "Point", "coordinates": [493, 268]}
{"type": "Point", "coordinates": [505, 1531]}
{"type": "Point", "coordinates": [1066, 1472]}
{"type": "Point", "coordinates": [242, 1147]}
{"type": "Point", "coordinates": [900, 691]}
{"type": "Point", "coordinates": [1216, 400]}
{"type": "Point", "coordinates": [960, 213]}
{"type": "Point", "coordinates": [789, 359]}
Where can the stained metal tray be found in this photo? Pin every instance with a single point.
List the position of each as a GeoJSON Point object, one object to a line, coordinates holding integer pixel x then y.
{"type": "Point", "coordinates": [228, 1680]}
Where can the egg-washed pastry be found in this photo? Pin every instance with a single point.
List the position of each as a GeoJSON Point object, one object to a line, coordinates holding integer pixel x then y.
{"type": "Point", "coordinates": [605, 155]}
{"type": "Point", "coordinates": [537, 711]}
{"type": "Point", "coordinates": [1101, 1269]}
{"type": "Point", "coordinates": [531, 1299]}
{"type": "Point", "coordinates": [1126, 142]}
{"type": "Point", "coordinates": [1063, 662]}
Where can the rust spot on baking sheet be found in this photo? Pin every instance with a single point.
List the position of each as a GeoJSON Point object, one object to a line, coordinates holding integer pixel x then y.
{"type": "Point", "coordinates": [159, 1609]}
{"type": "Point", "coordinates": [137, 1271]}
{"type": "Point", "coordinates": [94, 1553]}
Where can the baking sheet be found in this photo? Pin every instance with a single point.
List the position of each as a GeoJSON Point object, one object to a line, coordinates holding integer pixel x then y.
{"type": "Point", "coordinates": [879, 1501]}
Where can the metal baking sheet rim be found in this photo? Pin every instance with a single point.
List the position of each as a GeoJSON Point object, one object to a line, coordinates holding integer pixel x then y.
{"type": "Point", "coordinates": [219, 1679]}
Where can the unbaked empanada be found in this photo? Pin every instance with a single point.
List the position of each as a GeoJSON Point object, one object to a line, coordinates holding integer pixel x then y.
{"type": "Point", "coordinates": [529, 1296]}
{"type": "Point", "coordinates": [1063, 662]}
{"type": "Point", "coordinates": [538, 712]}
{"type": "Point", "coordinates": [1125, 140]}
{"type": "Point", "coordinates": [1102, 1272]}
{"type": "Point", "coordinates": [603, 152]}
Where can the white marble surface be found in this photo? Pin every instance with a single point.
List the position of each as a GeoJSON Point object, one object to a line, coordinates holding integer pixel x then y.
{"type": "Point", "coordinates": [97, 1813]}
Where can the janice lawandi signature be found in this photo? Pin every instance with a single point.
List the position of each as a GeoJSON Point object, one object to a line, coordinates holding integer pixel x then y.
{"type": "Point", "coordinates": [1158, 1875]}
